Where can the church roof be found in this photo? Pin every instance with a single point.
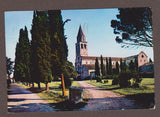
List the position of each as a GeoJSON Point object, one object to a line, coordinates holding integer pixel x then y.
{"type": "Point", "coordinates": [94, 57]}
{"type": "Point", "coordinates": [81, 36]}
{"type": "Point", "coordinates": [89, 66]}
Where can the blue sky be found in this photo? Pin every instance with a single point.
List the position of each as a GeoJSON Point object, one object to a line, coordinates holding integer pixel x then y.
{"type": "Point", "coordinates": [95, 24]}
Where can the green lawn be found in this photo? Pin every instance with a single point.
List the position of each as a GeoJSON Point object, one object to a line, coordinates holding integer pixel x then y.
{"type": "Point", "coordinates": [54, 86]}
{"type": "Point", "coordinates": [143, 96]}
{"type": "Point", "coordinates": [146, 86]}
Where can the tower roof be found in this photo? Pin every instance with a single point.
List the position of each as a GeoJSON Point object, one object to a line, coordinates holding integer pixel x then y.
{"type": "Point", "coordinates": [80, 36]}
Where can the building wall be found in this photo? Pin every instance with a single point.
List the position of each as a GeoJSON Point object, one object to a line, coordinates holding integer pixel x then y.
{"type": "Point", "coordinates": [142, 59]}
{"type": "Point", "coordinates": [146, 68]}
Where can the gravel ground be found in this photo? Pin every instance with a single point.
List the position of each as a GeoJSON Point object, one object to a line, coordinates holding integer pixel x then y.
{"type": "Point", "coordinates": [22, 100]}
{"type": "Point", "coordinates": [100, 99]}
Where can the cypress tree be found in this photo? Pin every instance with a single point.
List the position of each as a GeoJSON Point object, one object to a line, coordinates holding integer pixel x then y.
{"type": "Point", "coordinates": [117, 68]}
{"type": "Point", "coordinates": [56, 47]}
{"type": "Point", "coordinates": [136, 64]}
{"type": "Point", "coordinates": [150, 60]}
{"type": "Point", "coordinates": [22, 58]}
{"type": "Point", "coordinates": [131, 66]}
{"type": "Point", "coordinates": [59, 48]}
{"type": "Point", "coordinates": [121, 64]}
{"type": "Point", "coordinates": [102, 67]}
{"type": "Point", "coordinates": [41, 69]}
{"type": "Point", "coordinates": [27, 54]}
{"type": "Point", "coordinates": [110, 66]}
{"type": "Point", "coordinates": [97, 72]}
{"type": "Point", "coordinates": [34, 46]}
{"type": "Point", "coordinates": [107, 69]}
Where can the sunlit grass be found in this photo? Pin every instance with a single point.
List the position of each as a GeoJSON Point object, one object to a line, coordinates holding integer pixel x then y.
{"type": "Point", "coordinates": [55, 87]}
{"type": "Point", "coordinates": [146, 86]}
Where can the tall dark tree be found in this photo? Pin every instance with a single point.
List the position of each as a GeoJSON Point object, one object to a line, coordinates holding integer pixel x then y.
{"type": "Point", "coordinates": [131, 66]}
{"type": "Point", "coordinates": [134, 26]}
{"type": "Point", "coordinates": [56, 44]}
{"type": "Point", "coordinates": [117, 68]}
{"type": "Point", "coordinates": [150, 60]}
{"type": "Point", "coordinates": [59, 48]}
{"type": "Point", "coordinates": [9, 66]}
{"type": "Point", "coordinates": [97, 72]}
{"type": "Point", "coordinates": [136, 64]}
{"type": "Point", "coordinates": [22, 58]}
{"type": "Point", "coordinates": [102, 67]}
{"type": "Point", "coordinates": [107, 68]}
{"type": "Point", "coordinates": [124, 67]}
{"type": "Point", "coordinates": [110, 66]}
{"type": "Point", "coordinates": [34, 46]}
{"type": "Point", "coordinates": [41, 69]}
{"type": "Point", "coordinates": [121, 64]}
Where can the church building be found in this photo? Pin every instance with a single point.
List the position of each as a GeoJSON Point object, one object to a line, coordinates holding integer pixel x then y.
{"type": "Point", "coordinates": [85, 65]}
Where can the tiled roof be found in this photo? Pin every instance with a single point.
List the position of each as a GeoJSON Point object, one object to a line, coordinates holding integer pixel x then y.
{"type": "Point", "coordinates": [94, 57]}
{"type": "Point", "coordinates": [89, 66]}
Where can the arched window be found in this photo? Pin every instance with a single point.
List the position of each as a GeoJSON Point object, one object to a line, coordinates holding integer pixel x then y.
{"type": "Point", "coordinates": [85, 46]}
{"type": "Point", "coordinates": [82, 46]}
{"type": "Point", "coordinates": [142, 56]}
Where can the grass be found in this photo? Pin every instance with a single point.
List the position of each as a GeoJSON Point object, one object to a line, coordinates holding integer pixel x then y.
{"type": "Point", "coordinates": [143, 96]}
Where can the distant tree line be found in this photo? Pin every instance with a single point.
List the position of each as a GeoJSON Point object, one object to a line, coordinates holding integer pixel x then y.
{"type": "Point", "coordinates": [121, 74]}
{"type": "Point", "coordinates": [44, 58]}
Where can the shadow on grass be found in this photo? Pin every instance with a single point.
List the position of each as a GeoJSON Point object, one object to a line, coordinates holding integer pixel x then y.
{"type": "Point", "coordinates": [143, 100]}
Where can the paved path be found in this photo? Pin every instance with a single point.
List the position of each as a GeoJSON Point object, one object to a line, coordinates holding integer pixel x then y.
{"type": "Point", "coordinates": [100, 99]}
{"type": "Point", "coordinates": [22, 100]}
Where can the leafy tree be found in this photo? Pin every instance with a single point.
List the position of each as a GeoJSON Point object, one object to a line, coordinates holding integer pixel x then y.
{"type": "Point", "coordinates": [134, 25]}
{"type": "Point", "coordinates": [110, 66]}
{"type": "Point", "coordinates": [102, 67]}
{"type": "Point", "coordinates": [10, 66]}
{"type": "Point", "coordinates": [71, 70]}
{"type": "Point", "coordinates": [97, 72]}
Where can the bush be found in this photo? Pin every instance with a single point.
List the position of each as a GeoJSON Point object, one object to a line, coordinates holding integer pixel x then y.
{"type": "Point", "coordinates": [147, 74]}
{"type": "Point", "coordinates": [87, 78]}
{"type": "Point", "coordinates": [115, 80]}
{"type": "Point", "coordinates": [67, 80]}
{"type": "Point", "coordinates": [108, 77]}
{"type": "Point", "coordinates": [124, 79]}
{"type": "Point", "coordinates": [105, 81]}
{"type": "Point", "coordinates": [136, 79]}
{"type": "Point", "coordinates": [98, 79]}
{"type": "Point", "coordinates": [78, 78]}
{"type": "Point", "coordinates": [135, 85]}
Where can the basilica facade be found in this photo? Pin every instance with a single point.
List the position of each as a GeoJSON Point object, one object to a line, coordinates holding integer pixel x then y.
{"type": "Point", "coordinates": [85, 64]}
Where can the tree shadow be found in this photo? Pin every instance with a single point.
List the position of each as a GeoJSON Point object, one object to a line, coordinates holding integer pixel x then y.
{"type": "Point", "coordinates": [35, 90]}
{"type": "Point", "coordinates": [68, 106]}
{"type": "Point", "coordinates": [31, 107]}
{"type": "Point", "coordinates": [144, 100]}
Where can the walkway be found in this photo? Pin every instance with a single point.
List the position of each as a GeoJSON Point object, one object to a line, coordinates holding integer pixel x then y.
{"type": "Point", "coordinates": [22, 100]}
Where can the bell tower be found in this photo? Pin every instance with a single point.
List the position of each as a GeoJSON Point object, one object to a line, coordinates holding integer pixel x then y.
{"type": "Point", "coordinates": [81, 45]}
{"type": "Point", "coordinates": [81, 50]}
